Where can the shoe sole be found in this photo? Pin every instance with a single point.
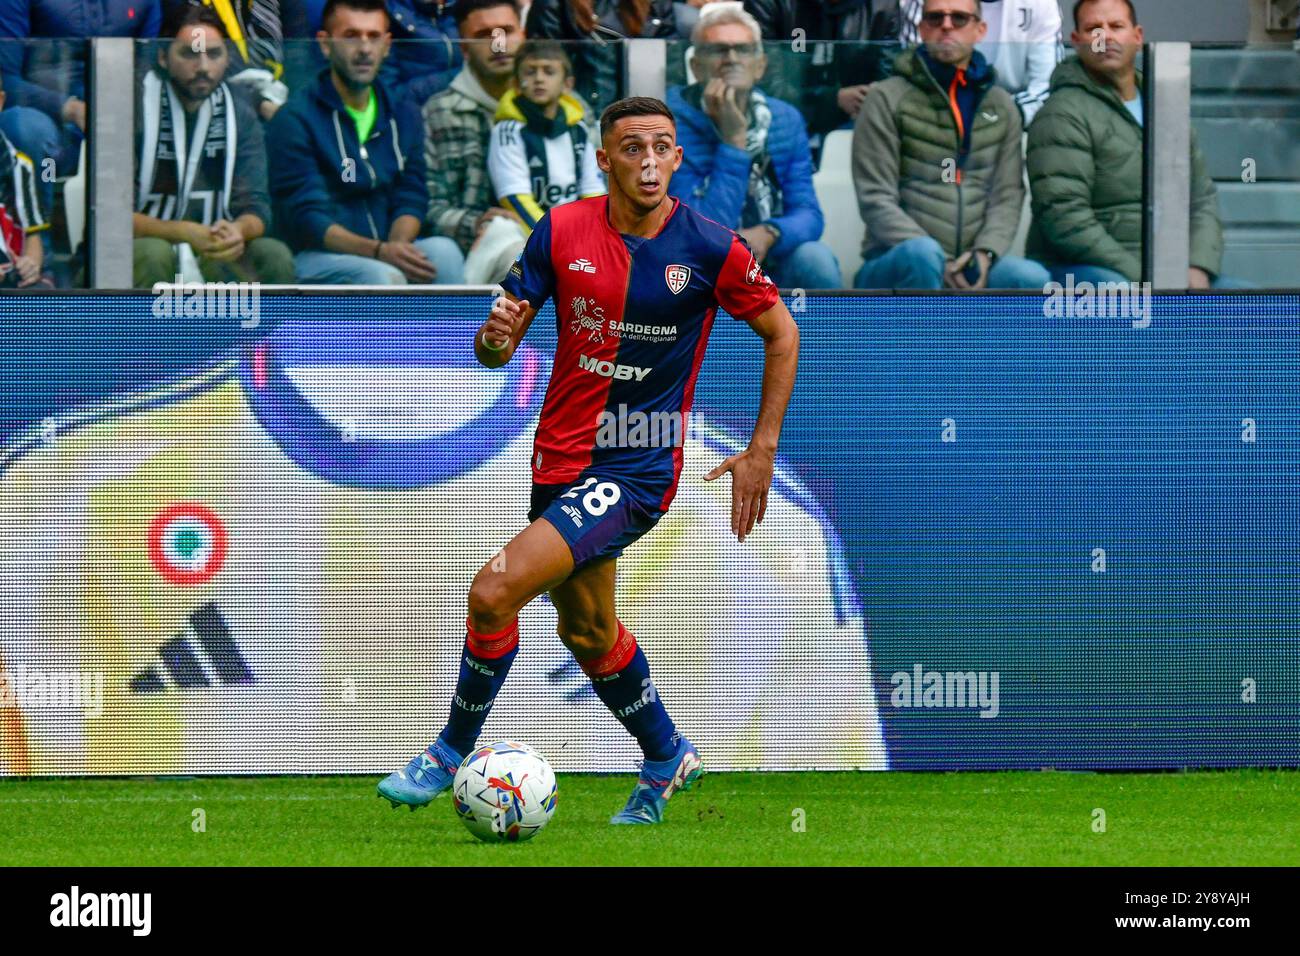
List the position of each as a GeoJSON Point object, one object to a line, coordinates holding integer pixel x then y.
{"type": "Point", "coordinates": [396, 802]}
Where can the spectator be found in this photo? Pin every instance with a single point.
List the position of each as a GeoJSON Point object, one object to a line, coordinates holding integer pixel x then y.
{"type": "Point", "coordinates": [1023, 43]}
{"type": "Point", "coordinates": [541, 155]}
{"type": "Point", "coordinates": [597, 64]}
{"type": "Point", "coordinates": [190, 196]}
{"type": "Point", "coordinates": [46, 81]}
{"type": "Point", "coordinates": [426, 56]}
{"type": "Point", "coordinates": [851, 44]}
{"type": "Point", "coordinates": [458, 121]}
{"type": "Point", "coordinates": [256, 30]}
{"type": "Point", "coordinates": [746, 161]}
{"type": "Point", "coordinates": [348, 176]}
{"type": "Point", "coordinates": [686, 15]}
{"type": "Point", "coordinates": [936, 218]}
{"type": "Point", "coordinates": [1085, 162]}
{"type": "Point", "coordinates": [22, 220]}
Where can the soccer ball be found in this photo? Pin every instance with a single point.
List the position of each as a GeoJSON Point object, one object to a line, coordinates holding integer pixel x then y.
{"type": "Point", "coordinates": [504, 791]}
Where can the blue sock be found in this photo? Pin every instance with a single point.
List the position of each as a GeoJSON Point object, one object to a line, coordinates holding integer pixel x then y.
{"type": "Point", "coordinates": [483, 668]}
{"type": "Point", "coordinates": [622, 682]}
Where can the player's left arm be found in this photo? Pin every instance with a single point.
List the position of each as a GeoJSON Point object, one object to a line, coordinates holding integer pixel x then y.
{"type": "Point", "coordinates": [751, 470]}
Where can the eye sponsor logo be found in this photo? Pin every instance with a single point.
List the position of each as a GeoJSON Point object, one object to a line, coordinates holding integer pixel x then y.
{"type": "Point", "coordinates": [187, 543]}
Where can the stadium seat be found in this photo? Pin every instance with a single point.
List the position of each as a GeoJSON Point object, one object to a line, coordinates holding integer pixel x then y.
{"type": "Point", "coordinates": [74, 202]}
{"type": "Point", "coordinates": [1246, 111]}
{"type": "Point", "coordinates": [833, 183]}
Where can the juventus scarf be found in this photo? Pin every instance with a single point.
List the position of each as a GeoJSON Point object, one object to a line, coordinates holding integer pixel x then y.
{"type": "Point", "coordinates": [175, 172]}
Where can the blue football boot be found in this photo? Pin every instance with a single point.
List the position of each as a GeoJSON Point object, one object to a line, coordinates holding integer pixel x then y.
{"type": "Point", "coordinates": [424, 778]}
{"type": "Point", "coordinates": [658, 782]}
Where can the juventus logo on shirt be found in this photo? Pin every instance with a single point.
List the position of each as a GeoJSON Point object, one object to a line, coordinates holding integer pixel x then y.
{"type": "Point", "coordinates": [1026, 16]}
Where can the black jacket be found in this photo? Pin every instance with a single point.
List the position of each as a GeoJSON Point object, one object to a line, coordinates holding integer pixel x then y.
{"type": "Point", "coordinates": [598, 66]}
{"type": "Point", "coordinates": [840, 65]}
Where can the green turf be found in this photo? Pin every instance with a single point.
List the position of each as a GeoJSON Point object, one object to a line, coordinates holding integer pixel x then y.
{"type": "Point", "coordinates": [1213, 818]}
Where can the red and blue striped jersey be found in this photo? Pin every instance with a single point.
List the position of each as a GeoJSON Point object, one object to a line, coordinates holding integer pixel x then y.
{"type": "Point", "coordinates": [633, 316]}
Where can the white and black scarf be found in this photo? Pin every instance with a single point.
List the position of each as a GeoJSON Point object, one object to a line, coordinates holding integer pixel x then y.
{"type": "Point", "coordinates": [204, 168]}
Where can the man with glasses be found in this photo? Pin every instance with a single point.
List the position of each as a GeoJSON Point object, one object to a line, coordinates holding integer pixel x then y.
{"type": "Point", "coordinates": [347, 169]}
{"type": "Point", "coordinates": [938, 168]}
{"type": "Point", "coordinates": [1085, 162]}
{"type": "Point", "coordinates": [1023, 43]}
{"type": "Point", "coordinates": [746, 159]}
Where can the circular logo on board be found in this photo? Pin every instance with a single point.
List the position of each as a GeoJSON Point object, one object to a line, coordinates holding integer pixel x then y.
{"type": "Point", "coordinates": [187, 543]}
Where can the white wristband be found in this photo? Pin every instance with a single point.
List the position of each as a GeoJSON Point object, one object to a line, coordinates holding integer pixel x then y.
{"type": "Point", "coordinates": [490, 347]}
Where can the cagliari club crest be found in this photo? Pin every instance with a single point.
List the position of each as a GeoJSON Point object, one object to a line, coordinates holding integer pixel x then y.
{"type": "Point", "coordinates": [677, 276]}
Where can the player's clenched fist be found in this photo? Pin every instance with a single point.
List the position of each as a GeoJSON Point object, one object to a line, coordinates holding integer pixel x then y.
{"type": "Point", "coordinates": [501, 322]}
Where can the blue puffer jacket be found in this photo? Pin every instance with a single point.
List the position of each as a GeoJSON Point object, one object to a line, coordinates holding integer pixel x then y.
{"type": "Point", "coordinates": [319, 174]}
{"type": "Point", "coordinates": [417, 70]}
{"type": "Point", "coordinates": [45, 75]}
{"type": "Point", "coordinates": [714, 178]}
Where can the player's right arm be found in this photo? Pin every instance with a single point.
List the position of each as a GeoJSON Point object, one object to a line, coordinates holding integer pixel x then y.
{"type": "Point", "coordinates": [527, 286]}
{"type": "Point", "coordinates": [504, 329]}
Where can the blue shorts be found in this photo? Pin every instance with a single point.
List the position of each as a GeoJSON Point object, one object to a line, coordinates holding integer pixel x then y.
{"type": "Point", "coordinates": [597, 517]}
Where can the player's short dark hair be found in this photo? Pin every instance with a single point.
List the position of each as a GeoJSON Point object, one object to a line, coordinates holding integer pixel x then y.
{"type": "Point", "coordinates": [184, 15]}
{"type": "Point", "coordinates": [633, 106]}
{"type": "Point", "coordinates": [465, 7]}
{"type": "Point", "coordinates": [331, 6]}
{"type": "Point", "coordinates": [543, 50]}
{"type": "Point", "coordinates": [1132, 11]}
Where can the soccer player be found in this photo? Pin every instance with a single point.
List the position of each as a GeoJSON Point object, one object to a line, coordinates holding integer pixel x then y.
{"type": "Point", "coordinates": [637, 278]}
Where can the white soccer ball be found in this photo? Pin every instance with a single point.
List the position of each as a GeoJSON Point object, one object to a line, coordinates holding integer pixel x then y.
{"type": "Point", "coordinates": [504, 791]}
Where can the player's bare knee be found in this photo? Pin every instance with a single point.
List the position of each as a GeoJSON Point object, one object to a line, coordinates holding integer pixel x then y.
{"type": "Point", "coordinates": [491, 603]}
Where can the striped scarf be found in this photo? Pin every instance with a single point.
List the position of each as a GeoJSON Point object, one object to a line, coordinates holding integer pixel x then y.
{"type": "Point", "coordinates": [207, 160]}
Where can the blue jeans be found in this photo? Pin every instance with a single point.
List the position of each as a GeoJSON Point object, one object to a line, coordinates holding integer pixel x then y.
{"type": "Point", "coordinates": [1096, 274]}
{"type": "Point", "coordinates": [338, 268]}
{"type": "Point", "coordinates": [810, 265]}
{"type": "Point", "coordinates": [41, 138]}
{"type": "Point", "coordinates": [918, 264]}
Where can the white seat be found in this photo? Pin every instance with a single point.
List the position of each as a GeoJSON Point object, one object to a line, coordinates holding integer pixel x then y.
{"type": "Point", "coordinates": [833, 183]}
{"type": "Point", "coordinates": [74, 202]}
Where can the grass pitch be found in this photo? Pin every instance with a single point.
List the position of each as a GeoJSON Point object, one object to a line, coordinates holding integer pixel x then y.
{"type": "Point", "coordinates": [897, 819]}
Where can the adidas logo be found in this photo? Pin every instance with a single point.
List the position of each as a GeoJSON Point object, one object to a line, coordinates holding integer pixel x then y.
{"type": "Point", "coordinates": [535, 162]}
{"type": "Point", "coordinates": [202, 654]}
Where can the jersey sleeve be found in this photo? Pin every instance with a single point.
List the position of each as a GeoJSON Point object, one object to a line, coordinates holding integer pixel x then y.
{"type": "Point", "coordinates": [532, 274]}
{"type": "Point", "coordinates": [743, 288]}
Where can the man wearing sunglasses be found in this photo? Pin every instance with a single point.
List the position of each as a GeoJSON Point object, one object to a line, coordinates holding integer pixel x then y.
{"type": "Point", "coordinates": [938, 168]}
{"type": "Point", "coordinates": [1023, 44]}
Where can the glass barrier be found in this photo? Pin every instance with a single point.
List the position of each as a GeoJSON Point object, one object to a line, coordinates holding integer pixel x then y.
{"type": "Point", "coordinates": [43, 169]}
{"type": "Point", "coordinates": [1246, 119]}
{"type": "Point", "coordinates": [901, 204]}
{"type": "Point", "coordinates": [332, 194]}
{"type": "Point", "coordinates": [906, 200]}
